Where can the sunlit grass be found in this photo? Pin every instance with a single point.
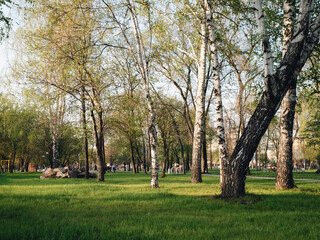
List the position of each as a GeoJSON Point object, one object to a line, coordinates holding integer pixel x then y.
{"type": "Point", "coordinates": [308, 174]}
{"type": "Point", "coordinates": [125, 207]}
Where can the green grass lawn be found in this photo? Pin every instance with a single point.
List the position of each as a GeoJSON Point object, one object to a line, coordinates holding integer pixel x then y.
{"type": "Point", "coordinates": [125, 207]}
{"type": "Point", "coordinates": [308, 174]}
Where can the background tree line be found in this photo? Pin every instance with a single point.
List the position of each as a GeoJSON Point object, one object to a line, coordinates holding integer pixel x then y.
{"type": "Point", "coordinates": [147, 83]}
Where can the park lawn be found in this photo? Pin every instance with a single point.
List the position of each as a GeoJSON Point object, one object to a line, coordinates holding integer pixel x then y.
{"type": "Point", "coordinates": [125, 207]}
{"type": "Point", "coordinates": [308, 174]}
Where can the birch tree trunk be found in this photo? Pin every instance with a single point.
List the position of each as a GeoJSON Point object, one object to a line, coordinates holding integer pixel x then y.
{"type": "Point", "coordinates": [200, 105]}
{"type": "Point", "coordinates": [141, 60]}
{"type": "Point", "coordinates": [217, 92]}
{"type": "Point", "coordinates": [303, 42]}
{"type": "Point", "coordinates": [284, 177]}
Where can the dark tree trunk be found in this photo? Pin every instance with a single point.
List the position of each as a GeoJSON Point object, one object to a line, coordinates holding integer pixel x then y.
{"type": "Point", "coordinates": [133, 162]}
{"type": "Point", "coordinates": [98, 131]}
{"type": "Point", "coordinates": [188, 159]}
{"type": "Point", "coordinates": [204, 156]}
{"type": "Point", "coordinates": [302, 44]}
{"type": "Point", "coordinates": [139, 160]}
{"type": "Point", "coordinates": [85, 134]}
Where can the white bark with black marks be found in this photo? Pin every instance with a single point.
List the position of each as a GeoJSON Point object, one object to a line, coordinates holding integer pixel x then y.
{"type": "Point", "coordinates": [217, 91]}
{"type": "Point", "coordinates": [284, 177]}
{"type": "Point", "coordinates": [200, 105]}
{"type": "Point", "coordinates": [266, 46]}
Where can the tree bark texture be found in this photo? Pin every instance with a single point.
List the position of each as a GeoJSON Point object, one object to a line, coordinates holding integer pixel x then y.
{"type": "Point", "coordinates": [284, 177]}
{"type": "Point", "coordinates": [304, 39]}
{"type": "Point", "coordinates": [217, 91]}
{"type": "Point", "coordinates": [200, 104]}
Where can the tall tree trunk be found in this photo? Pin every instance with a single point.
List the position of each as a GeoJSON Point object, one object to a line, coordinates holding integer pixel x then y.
{"type": "Point", "coordinates": [141, 60]}
{"type": "Point", "coordinates": [217, 92]}
{"type": "Point", "coordinates": [98, 133]}
{"type": "Point", "coordinates": [284, 177]}
{"type": "Point", "coordinates": [200, 104]}
{"type": "Point", "coordinates": [303, 42]}
{"type": "Point", "coordinates": [85, 134]}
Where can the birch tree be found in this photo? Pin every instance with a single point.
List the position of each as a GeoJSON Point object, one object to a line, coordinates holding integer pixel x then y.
{"type": "Point", "coordinates": [284, 177]}
{"type": "Point", "coordinates": [217, 90]}
{"type": "Point", "coordinates": [303, 42]}
{"type": "Point", "coordinates": [200, 102]}
{"type": "Point", "coordinates": [137, 50]}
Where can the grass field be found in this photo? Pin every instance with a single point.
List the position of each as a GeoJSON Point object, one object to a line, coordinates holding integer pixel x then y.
{"type": "Point", "coordinates": [308, 174]}
{"type": "Point", "coordinates": [124, 207]}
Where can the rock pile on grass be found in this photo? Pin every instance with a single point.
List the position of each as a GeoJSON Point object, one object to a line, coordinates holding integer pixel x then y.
{"type": "Point", "coordinates": [65, 172]}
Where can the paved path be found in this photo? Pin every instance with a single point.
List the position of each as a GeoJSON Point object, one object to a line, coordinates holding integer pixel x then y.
{"type": "Point", "coordinates": [296, 179]}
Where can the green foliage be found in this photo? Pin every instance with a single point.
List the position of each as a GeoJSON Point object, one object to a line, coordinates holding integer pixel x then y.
{"type": "Point", "coordinates": [5, 21]}
{"type": "Point", "coordinates": [124, 207]}
{"type": "Point", "coordinates": [25, 134]}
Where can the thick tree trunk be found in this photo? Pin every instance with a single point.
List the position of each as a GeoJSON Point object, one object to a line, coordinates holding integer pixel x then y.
{"type": "Point", "coordinates": [217, 92]}
{"type": "Point", "coordinates": [98, 132]}
{"type": "Point", "coordinates": [200, 104]}
{"type": "Point", "coordinates": [284, 177]}
{"type": "Point", "coordinates": [303, 42]}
